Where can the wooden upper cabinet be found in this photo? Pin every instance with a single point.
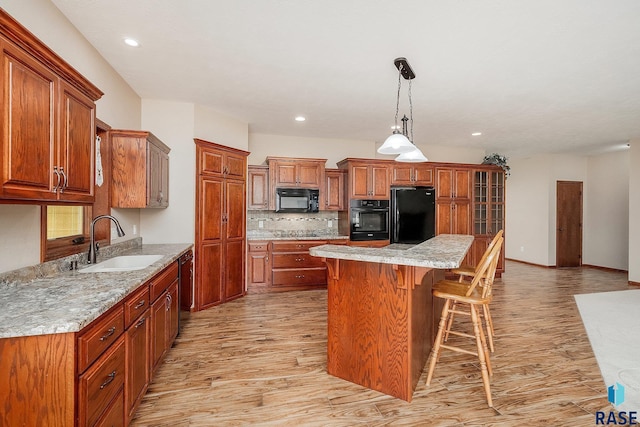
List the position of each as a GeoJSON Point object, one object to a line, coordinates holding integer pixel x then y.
{"type": "Point", "coordinates": [140, 170]}
{"type": "Point", "coordinates": [222, 163]}
{"type": "Point", "coordinates": [48, 123]}
{"type": "Point", "coordinates": [368, 179]}
{"type": "Point", "coordinates": [407, 174]}
{"type": "Point", "coordinates": [286, 172]}
{"type": "Point", "coordinates": [335, 190]}
{"type": "Point", "coordinates": [453, 183]}
{"type": "Point", "coordinates": [258, 188]}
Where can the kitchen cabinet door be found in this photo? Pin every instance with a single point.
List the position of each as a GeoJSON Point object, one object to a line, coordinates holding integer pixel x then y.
{"type": "Point", "coordinates": [453, 183]}
{"type": "Point", "coordinates": [234, 269]}
{"type": "Point", "coordinates": [369, 182]}
{"type": "Point", "coordinates": [259, 266]}
{"type": "Point", "coordinates": [335, 190]}
{"type": "Point", "coordinates": [210, 269]}
{"type": "Point", "coordinates": [359, 182]}
{"type": "Point", "coordinates": [453, 218]}
{"type": "Point", "coordinates": [211, 209]}
{"type": "Point", "coordinates": [258, 188]}
{"type": "Point", "coordinates": [380, 188]}
{"type": "Point", "coordinates": [234, 216]}
{"type": "Point", "coordinates": [29, 127]}
{"type": "Point", "coordinates": [173, 313]}
{"type": "Point", "coordinates": [76, 153]}
{"type": "Point", "coordinates": [137, 362]}
{"type": "Point", "coordinates": [158, 331]}
{"type": "Point", "coordinates": [289, 172]}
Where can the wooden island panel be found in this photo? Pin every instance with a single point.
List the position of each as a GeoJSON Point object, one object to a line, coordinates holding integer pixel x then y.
{"type": "Point", "coordinates": [380, 324]}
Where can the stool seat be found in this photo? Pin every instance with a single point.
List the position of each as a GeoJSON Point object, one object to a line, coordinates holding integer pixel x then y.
{"type": "Point", "coordinates": [455, 290]}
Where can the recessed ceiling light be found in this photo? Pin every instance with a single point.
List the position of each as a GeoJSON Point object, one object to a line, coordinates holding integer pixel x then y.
{"type": "Point", "coordinates": [300, 119]}
{"type": "Point", "coordinates": [131, 42]}
{"type": "Point", "coordinates": [476, 134]}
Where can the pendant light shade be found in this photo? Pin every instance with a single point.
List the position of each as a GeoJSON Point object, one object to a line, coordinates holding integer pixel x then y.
{"type": "Point", "coordinates": [399, 142]}
{"type": "Point", "coordinates": [395, 144]}
{"type": "Point", "coordinates": [414, 156]}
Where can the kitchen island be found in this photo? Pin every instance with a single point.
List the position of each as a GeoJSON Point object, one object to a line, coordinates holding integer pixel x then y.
{"type": "Point", "coordinates": [380, 312]}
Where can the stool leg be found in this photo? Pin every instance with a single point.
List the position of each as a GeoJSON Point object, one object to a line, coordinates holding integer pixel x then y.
{"type": "Point", "coordinates": [481, 353]}
{"type": "Point", "coordinates": [450, 321]}
{"type": "Point", "coordinates": [435, 352]}
{"type": "Point", "coordinates": [488, 325]}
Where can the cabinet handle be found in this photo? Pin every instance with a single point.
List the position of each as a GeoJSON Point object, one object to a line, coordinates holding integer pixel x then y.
{"type": "Point", "coordinates": [140, 322]}
{"type": "Point", "coordinates": [65, 181]}
{"type": "Point", "coordinates": [110, 332]}
{"type": "Point", "coordinates": [160, 196]}
{"type": "Point", "coordinates": [138, 305]}
{"type": "Point", "coordinates": [110, 378]}
{"type": "Point", "coordinates": [300, 276]}
{"type": "Point", "coordinates": [55, 188]}
{"type": "Point", "coordinates": [168, 302]}
{"type": "Point", "coordinates": [267, 258]}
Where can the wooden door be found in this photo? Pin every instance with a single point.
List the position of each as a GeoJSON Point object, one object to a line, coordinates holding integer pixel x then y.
{"type": "Point", "coordinates": [173, 311]}
{"type": "Point", "coordinates": [423, 175]}
{"type": "Point", "coordinates": [462, 218]}
{"type": "Point", "coordinates": [259, 268]}
{"type": "Point", "coordinates": [258, 188]}
{"type": "Point", "coordinates": [380, 188]}
{"type": "Point", "coordinates": [334, 190]}
{"type": "Point", "coordinates": [234, 269]}
{"type": "Point", "coordinates": [234, 215]}
{"type": "Point", "coordinates": [309, 174]}
{"type": "Point", "coordinates": [27, 155]}
{"type": "Point", "coordinates": [360, 182]}
{"type": "Point", "coordinates": [76, 151]}
{"type": "Point", "coordinates": [462, 184]}
{"type": "Point", "coordinates": [569, 224]}
{"type": "Point", "coordinates": [210, 269]}
{"type": "Point", "coordinates": [402, 174]}
{"type": "Point", "coordinates": [154, 175]}
{"type": "Point", "coordinates": [210, 232]}
{"type": "Point", "coordinates": [137, 361]}
{"type": "Point", "coordinates": [158, 331]}
{"type": "Point", "coordinates": [444, 179]}
{"type": "Point", "coordinates": [444, 217]}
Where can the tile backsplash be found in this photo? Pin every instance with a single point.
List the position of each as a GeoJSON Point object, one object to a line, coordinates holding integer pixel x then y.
{"type": "Point", "coordinates": [260, 223]}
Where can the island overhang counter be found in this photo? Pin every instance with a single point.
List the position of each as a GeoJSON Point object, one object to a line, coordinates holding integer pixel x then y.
{"type": "Point", "coordinates": [380, 312]}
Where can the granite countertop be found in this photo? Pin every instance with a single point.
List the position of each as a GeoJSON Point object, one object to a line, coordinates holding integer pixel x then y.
{"type": "Point", "coordinates": [443, 251]}
{"type": "Point", "coordinates": [267, 235]}
{"type": "Point", "coordinates": [69, 301]}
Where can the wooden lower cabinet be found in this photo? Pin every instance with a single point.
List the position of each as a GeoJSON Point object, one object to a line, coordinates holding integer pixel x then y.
{"type": "Point", "coordinates": [97, 376]}
{"type": "Point", "coordinates": [138, 358]}
{"type": "Point", "coordinates": [285, 265]}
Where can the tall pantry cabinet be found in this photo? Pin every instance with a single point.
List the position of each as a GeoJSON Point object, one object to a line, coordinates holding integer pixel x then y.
{"type": "Point", "coordinates": [220, 223]}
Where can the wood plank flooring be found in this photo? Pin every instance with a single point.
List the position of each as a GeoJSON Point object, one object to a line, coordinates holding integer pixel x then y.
{"type": "Point", "coordinates": [261, 360]}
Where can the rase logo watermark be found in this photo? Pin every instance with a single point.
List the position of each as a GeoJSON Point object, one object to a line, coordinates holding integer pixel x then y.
{"type": "Point", "coordinates": [615, 393]}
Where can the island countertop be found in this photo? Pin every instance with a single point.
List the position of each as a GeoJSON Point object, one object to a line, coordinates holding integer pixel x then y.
{"type": "Point", "coordinates": [69, 301]}
{"type": "Point", "coordinates": [443, 251]}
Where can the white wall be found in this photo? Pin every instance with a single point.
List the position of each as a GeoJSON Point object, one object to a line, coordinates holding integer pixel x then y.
{"type": "Point", "coordinates": [527, 213]}
{"type": "Point", "coordinates": [119, 107]}
{"type": "Point", "coordinates": [334, 150]}
{"type": "Point", "coordinates": [441, 153]}
{"type": "Point", "coordinates": [172, 122]}
{"type": "Point", "coordinates": [220, 129]}
{"type": "Point", "coordinates": [606, 237]}
{"type": "Point", "coordinates": [634, 211]}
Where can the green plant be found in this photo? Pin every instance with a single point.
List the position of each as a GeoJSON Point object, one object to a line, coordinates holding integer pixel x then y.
{"type": "Point", "coordinates": [498, 160]}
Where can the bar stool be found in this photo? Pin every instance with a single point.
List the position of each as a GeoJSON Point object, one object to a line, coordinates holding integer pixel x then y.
{"type": "Point", "coordinates": [473, 296]}
{"type": "Point", "coordinates": [467, 272]}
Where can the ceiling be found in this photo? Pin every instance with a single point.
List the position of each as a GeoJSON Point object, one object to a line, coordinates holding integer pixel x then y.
{"type": "Point", "coordinates": [532, 75]}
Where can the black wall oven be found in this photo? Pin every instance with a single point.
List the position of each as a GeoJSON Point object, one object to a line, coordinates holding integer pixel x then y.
{"type": "Point", "coordinates": [369, 220]}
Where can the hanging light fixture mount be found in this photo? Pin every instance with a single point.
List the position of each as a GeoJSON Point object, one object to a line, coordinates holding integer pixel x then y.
{"type": "Point", "coordinates": [404, 68]}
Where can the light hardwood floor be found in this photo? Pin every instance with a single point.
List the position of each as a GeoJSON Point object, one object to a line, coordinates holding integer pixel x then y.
{"type": "Point", "coordinates": [261, 360]}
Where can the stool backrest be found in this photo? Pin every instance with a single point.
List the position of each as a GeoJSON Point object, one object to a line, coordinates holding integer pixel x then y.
{"type": "Point", "coordinates": [490, 247]}
{"type": "Point", "coordinates": [486, 270]}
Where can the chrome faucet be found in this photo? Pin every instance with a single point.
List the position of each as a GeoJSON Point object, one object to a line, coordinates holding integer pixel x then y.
{"type": "Point", "coordinates": [93, 246]}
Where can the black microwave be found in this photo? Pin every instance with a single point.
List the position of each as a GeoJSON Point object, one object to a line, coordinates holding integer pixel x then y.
{"type": "Point", "coordinates": [297, 200]}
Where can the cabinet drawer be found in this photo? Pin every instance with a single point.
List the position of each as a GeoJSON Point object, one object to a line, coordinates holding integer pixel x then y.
{"type": "Point", "coordinates": [162, 281]}
{"type": "Point", "coordinates": [299, 260]}
{"type": "Point", "coordinates": [258, 246]}
{"type": "Point", "coordinates": [315, 276]}
{"type": "Point", "coordinates": [136, 304]}
{"type": "Point", "coordinates": [296, 246]}
{"type": "Point", "coordinates": [98, 336]}
{"type": "Point", "coordinates": [102, 381]}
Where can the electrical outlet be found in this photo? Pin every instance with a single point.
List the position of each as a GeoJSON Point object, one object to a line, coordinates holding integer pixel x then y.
{"type": "Point", "coordinates": [329, 223]}
{"type": "Point", "coordinates": [521, 248]}
{"type": "Point", "coordinates": [260, 224]}
{"type": "Point", "coordinates": [135, 229]}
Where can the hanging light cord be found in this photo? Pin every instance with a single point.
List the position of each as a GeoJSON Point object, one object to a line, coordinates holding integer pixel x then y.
{"type": "Point", "coordinates": [410, 111]}
{"type": "Point", "coordinates": [397, 129]}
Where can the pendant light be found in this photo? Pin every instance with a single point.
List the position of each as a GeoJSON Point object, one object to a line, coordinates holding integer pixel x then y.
{"type": "Point", "coordinates": [399, 143]}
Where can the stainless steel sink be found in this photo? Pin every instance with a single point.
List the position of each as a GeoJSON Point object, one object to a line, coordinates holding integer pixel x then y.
{"type": "Point", "coordinates": [122, 263]}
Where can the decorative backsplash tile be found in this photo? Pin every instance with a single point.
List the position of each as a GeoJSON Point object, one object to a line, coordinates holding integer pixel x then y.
{"type": "Point", "coordinates": [268, 223]}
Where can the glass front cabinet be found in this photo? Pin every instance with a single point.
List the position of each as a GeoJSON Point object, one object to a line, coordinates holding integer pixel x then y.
{"type": "Point", "coordinates": [488, 211]}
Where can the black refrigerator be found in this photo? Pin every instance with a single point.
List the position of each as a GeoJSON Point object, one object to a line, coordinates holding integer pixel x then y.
{"type": "Point", "coordinates": [413, 214]}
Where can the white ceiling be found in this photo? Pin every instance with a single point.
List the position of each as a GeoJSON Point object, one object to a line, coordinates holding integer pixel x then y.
{"type": "Point", "coordinates": [531, 75]}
